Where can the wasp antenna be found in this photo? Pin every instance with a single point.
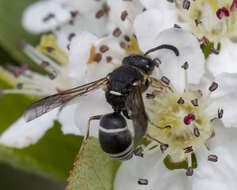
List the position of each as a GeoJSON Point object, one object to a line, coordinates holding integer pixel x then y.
{"type": "Point", "coordinates": [164, 46]}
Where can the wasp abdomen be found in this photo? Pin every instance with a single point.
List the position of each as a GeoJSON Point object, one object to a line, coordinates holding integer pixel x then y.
{"type": "Point", "coordinates": [115, 137]}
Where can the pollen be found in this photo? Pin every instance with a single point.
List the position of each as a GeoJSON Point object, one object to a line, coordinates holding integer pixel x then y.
{"type": "Point", "coordinates": [49, 47]}
{"type": "Point", "coordinates": [132, 46]}
{"type": "Point", "coordinates": [189, 124]}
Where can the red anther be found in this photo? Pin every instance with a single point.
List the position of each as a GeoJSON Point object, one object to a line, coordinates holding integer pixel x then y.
{"type": "Point", "coordinates": [188, 118]}
{"type": "Point", "coordinates": [222, 12]}
{"type": "Point", "coordinates": [233, 7]}
{"type": "Point", "coordinates": [191, 116]}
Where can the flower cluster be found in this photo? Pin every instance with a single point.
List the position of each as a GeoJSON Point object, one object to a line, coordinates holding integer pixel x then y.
{"type": "Point", "coordinates": [192, 112]}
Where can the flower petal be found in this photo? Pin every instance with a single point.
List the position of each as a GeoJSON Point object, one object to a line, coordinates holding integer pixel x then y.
{"type": "Point", "coordinates": [117, 7]}
{"type": "Point", "coordinates": [152, 168]}
{"type": "Point", "coordinates": [225, 97]}
{"type": "Point", "coordinates": [67, 118]}
{"type": "Point", "coordinates": [64, 36]}
{"type": "Point", "coordinates": [225, 61]}
{"type": "Point", "coordinates": [152, 18]}
{"type": "Point", "coordinates": [21, 134]}
{"type": "Point", "coordinates": [44, 16]}
{"type": "Point", "coordinates": [189, 51]}
{"type": "Point", "coordinates": [82, 6]}
{"type": "Point", "coordinates": [221, 174]}
{"type": "Point", "coordinates": [91, 105]}
{"type": "Point", "coordinates": [79, 54]}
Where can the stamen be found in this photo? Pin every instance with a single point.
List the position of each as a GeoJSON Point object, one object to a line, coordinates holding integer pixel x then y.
{"type": "Point", "coordinates": [222, 12]}
{"type": "Point", "coordinates": [215, 51]}
{"type": "Point", "coordinates": [197, 22]}
{"type": "Point", "coordinates": [123, 45]}
{"type": "Point", "coordinates": [177, 26]}
{"type": "Point", "coordinates": [106, 9]}
{"type": "Point", "coordinates": [204, 40]}
{"type": "Point", "coordinates": [186, 4]}
{"type": "Point", "coordinates": [104, 48]}
{"type": "Point", "coordinates": [70, 36]}
{"type": "Point", "coordinates": [98, 57]}
{"type": "Point", "coordinates": [99, 14]}
{"type": "Point", "coordinates": [74, 14]}
{"type": "Point", "coordinates": [188, 149]}
{"type": "Point", "coordinates": [124, 15]}
{"type": "Point", "coordinates": [185, 65]}
{"type": "Point", "coordinates": [48, 17]}
{"type": "Point", "coordinates": [213, 87]}
{"type": "Point", "coordinates": [196, 132]}
{"type": "Point", "coordinates": [188, 118]}
{"type": "Point", "coordinates": [154, 139]}
{"type": "Point", "coordinates": [49, 47]}
{"type": "Point", "coordinates": [180, 101]}
{"type": "Point", "coordinates": [189, 171]}
{"type": "Point", "coordinates": [38, 57]}
{"type": "Point", "coordinates": [163, 147]}
{"type": "Point", "coordinates": [52, 76]}
{"type": "Point", "coordinates": [138, 151]}
{"type": "Point", "coordinates": [212, 158]}
{"type": "Point", "coordinates": [16, 71]}
{"type": "Point", "coordinates": [117, 32]}
{"type": "Point", "coordinates": [142, 181]}
{"type": "Point", "coordinates": [220, 113]}
{"type": "Point", "coordinates": [234, 6]}
{"type": "Point", "coordinates": [194, 102]}
{"type": "Point", "coordinates": [108, 59]}
{"type": "Point", "coordinates": [44, 64]}
{"type": "Point", "coordinates": [165, 80]}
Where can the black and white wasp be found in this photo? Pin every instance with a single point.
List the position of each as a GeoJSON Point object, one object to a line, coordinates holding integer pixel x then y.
{"type": "Point", "coordinates": [123, 91]}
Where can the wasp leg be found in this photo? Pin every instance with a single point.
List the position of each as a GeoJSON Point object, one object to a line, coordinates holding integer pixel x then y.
{"type": "Point", "coordinates": [125, 113]}
{"type": "Point", "coordinates": [84, 142]}
{"type": "Point", "coordinates": [96, 117]}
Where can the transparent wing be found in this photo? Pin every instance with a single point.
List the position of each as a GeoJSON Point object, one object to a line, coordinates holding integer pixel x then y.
{"type": "Point", "coordinates": [139, 117]}
{"type": "Point", "coordinates": [49, 103]}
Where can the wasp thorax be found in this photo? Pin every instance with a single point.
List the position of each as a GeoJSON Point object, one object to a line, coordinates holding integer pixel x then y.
{"type": "Point", "coordinates": [179, 121]}
{"type": "Point", "coordinates": [213, 19]}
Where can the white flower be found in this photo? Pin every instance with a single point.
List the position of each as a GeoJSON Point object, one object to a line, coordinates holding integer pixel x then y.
{"type": "Point", "coordinates": [66, 18]}
{"type": "Point", "coordinates": [216, 20]}
{"type": "Point", "coordinates": [84, 56]}
{"type": "Point", "coordinates": [192, 113]}
{"type": "Point", "coordinates": [21, 134]}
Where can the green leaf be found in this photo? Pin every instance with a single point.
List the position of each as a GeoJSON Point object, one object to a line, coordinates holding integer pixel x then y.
{"type": "Point", "coordinates": [52, 156]}
{"type": "Point", "coordinates": [11, 31]}
{"type": "Point", "coordinates": [93, 169]}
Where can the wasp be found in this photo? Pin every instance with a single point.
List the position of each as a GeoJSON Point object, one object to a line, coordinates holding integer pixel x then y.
{"type": "Point", "coordinates": [124, 87]}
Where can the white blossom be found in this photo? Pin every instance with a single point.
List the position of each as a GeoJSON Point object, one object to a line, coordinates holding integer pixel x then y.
{"type": "Point", "coordinates": [190, 115]}
{"type": "Point", "coordinates": [215, 20]}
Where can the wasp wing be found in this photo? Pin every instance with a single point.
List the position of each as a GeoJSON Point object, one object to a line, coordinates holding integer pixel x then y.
{"type": "Point", "coordinates": [139, 117]}
{"type": "Point", "coordinates": [49, 103]}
